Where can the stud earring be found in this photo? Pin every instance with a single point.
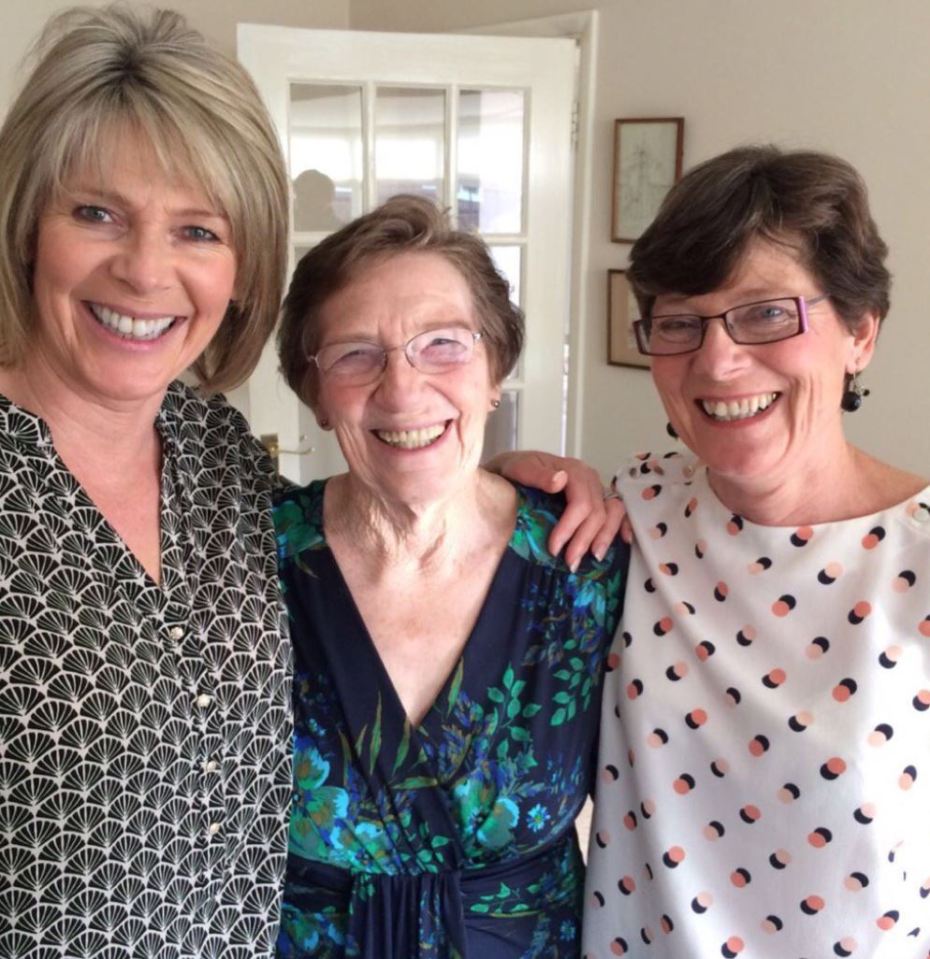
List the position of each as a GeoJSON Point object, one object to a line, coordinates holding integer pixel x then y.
{"type": "Point", "coordinates": [671, 431]}
{"type": "Point", "coordinates": [324, 424]}
{"type": "Point", "coordinates": [495, 404]}
{"type": "Point", "coordinates": [854, 394]}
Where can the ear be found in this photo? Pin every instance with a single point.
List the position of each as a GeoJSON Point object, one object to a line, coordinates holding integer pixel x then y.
{"type": "Point", "coordinates": [495, 401]}
{"type": "Point", "coordinates": [864, 339]}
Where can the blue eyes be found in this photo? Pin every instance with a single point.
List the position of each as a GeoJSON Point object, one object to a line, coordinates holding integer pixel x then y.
{"type": "Point", "coordinates": [88, 213]}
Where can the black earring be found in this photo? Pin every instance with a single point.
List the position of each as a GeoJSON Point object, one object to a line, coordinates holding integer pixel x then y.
{"type": "Point", "coordinates": [854, 394]}
{"type": "Point", "coordinates": [671, 431]}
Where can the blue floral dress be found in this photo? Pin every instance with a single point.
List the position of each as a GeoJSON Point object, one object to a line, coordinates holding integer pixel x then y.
{"type": "Point", "coordinates": [455, 837]}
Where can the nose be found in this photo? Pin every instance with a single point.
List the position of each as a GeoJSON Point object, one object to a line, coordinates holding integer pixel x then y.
{"type": "Point", "coordinates": [719, 357]}
{"type": "Point", "coordinates": [400, 381]}
{"type": "Point", "coordinates": [144, 262]}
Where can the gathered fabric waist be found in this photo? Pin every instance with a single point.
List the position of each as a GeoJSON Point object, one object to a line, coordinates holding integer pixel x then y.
{"type": "Point", "coordinates": [390, 916]}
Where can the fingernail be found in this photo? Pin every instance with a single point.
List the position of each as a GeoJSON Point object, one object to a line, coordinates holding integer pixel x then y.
{"type": "Point", "coordinates": [573, 566]}
{"type": "Point", "coordinates": [559, 475]}
{"type": "Point", "coordinates": [600, 553]}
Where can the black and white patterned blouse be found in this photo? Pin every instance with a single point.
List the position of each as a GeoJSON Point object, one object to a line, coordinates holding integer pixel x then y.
{"type": "Point", "coordinates": [144, 729]}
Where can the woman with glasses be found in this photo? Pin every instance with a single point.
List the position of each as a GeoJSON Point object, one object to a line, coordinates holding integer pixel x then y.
{"type": "Point", "coordinates": [447, 668]}
{"type": "Point", "coordinates": [765, 738]}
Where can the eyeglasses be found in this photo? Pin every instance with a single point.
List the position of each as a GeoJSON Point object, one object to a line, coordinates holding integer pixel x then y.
{"type": "Point", "coordinates": [766, 321]}
{"type": "Point", "coordinates": [361, 362]}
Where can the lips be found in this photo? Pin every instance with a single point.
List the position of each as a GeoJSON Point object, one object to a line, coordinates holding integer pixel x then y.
{"type": "Point", "coordinates": [412, 439]}
{"type": "Point", "coordinates": [131, 327]}
{"type": "Point", "coordinates": [725, 411]}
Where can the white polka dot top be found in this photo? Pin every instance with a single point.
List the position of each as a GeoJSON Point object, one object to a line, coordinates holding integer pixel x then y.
{"type": "Point", "coordinates": [764, 775]}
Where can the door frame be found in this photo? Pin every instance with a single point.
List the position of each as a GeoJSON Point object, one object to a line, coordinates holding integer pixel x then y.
{"type": "Point", "coordinates": [582, 27]}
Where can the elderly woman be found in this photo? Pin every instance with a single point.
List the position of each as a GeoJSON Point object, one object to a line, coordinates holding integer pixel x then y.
{"type": "Point", "coordinates": [144, 720]}
{"type": "Point", "coordinates": [763, 786]}
{"type": "Point", "coordinates": [447, 668]}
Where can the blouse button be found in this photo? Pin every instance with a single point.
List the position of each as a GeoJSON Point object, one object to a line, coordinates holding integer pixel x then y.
{"type": "Point", "coordinates": [203, 700]}
{"type": "Point", "coordinates": [211, 766]}
{"type": "Point", "coordinates": [214, 828]}
{"type": "Point", "coordinates": [922, 514]}
{"type": "Point", "coordinates": [176, 634]}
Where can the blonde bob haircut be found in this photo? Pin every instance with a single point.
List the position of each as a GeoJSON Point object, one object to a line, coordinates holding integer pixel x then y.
{"type": "Point", "coordinates": [109, 72]}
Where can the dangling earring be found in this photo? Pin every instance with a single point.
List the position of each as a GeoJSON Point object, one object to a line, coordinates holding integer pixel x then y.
{"type": "Point", "coordinates": [854, 394]}
{"type": "Point", "coordinates": [671, 431]}
{"type": "Point", "coordinates": [495, 404]}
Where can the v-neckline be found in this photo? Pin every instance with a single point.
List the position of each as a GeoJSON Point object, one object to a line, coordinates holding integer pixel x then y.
{"type": "Point", "coordinates": [385, 682]}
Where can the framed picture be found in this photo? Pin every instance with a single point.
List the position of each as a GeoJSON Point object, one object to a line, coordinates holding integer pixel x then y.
{"type": "Point", "coordinates": [647, 162]}
{"type": "Point", "coordinates": [621, 311]}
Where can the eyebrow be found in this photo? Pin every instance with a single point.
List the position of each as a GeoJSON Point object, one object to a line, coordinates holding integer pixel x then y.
{"type": "Point", "coordinates": [755, 295]}
{"type": "Point", "coordinates": [114, 196]}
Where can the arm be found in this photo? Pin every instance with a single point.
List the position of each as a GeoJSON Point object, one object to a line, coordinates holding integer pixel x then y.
{"type": "Point", "coordinates": [589, 522]}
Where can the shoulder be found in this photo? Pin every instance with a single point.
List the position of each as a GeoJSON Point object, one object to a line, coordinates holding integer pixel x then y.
{"type": "Point", "coordinates": [646, 475]}
{"type": "Point", "coordinates": [213, 433]}
{"type": "Point", "coordinates": [537, 514]}
{"type": "Point", "coordinates": [298, 519]}
{"type": "Point", "coordinates": [184, 408]}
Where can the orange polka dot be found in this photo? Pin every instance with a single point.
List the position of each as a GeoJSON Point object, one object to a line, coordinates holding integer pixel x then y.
{"type": "Point", "coordinates": [924, 627]}
{"type": "Point", "coordinates": [836, 766]}
{"type": "Point", "coordinates": [870, 541]}
{"type": "Point", "coordinates": [778, 676]}
{"type": "Point", "coordinates": [834, 570]}
{"type": "Point", "coordinates": [885, 923]}
{"type": "Point", "coordinates": [699, 716]}
{"type": "Point", "coordinates": [735, 945]}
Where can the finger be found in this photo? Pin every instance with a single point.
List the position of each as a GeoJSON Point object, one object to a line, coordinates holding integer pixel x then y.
{"type": "Point", "coordinates": [626, 531]}
{"type": "Point", "coordinates": [577, 509]}
{"type": "Point", "coordinates": [583, 537]}
{"type": "Point", "coordinates": [616, 516]}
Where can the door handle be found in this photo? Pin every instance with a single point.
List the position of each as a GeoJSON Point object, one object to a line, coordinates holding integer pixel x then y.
{"type": "Point", "coordinates": [273, 446]}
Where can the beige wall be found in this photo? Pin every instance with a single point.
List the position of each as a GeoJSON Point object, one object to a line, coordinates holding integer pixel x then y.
{"type": "Point", "coordinates": [21, 21]}
{"type": "Point", "coordinates": [849, 76]}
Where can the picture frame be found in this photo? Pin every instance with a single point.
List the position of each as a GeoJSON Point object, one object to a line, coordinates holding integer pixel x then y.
{"type": "Point", "coordinates": [647, 163]}
{"type": "Point", "coordinates": [621, 311]}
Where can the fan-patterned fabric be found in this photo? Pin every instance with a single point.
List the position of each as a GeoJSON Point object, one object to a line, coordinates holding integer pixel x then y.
{"type": "Point", "coordinates": [144, 729]}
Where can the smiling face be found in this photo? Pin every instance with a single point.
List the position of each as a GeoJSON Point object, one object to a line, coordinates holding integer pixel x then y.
{"type": "Point", "coordinates": [409, 436]}
{"type": "Point", "coordinates": [132, 277]}
{"type": "Point", "coordinates": [766, 412]}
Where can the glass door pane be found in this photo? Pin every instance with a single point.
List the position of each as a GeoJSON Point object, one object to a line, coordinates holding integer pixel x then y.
{"type": "Point", "coordinates": [326, 157]}
{"type": "Point", "coordinates": [410, 148]}
{"type": "Point", "coordinates": [489, 191]}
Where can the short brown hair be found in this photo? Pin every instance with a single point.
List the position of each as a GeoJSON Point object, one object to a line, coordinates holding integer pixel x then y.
{"type": "Point", "coordinates": [814, 203]}
{"type": "Point", "coordinates": [108, 70]}
{"type": "Point", "coordinates": [403, 224]}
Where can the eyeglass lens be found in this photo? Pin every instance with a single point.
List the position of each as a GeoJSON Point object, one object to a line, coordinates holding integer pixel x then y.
{"type": "Point", "coordinates": [764, 322]}
{"type": "Point", "coordinates": [433, 351]}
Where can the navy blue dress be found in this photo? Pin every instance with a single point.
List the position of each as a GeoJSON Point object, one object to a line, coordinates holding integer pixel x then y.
{"type": "Point", "coordinates": [454, 837]}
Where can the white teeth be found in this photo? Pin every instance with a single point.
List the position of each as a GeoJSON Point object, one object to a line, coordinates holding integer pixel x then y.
{"type": "Point", "coordinates": [738, 409]}
{"type": "Point", "coordinates": [129, 326]}
{"type": "Point", "coordinates": [411, 439]}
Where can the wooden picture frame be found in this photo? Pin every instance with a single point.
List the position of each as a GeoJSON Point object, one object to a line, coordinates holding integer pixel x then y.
{"type": "Point", "coordinates": [647, 163]}
{"type": "Point", "coordinates": [621, 311]}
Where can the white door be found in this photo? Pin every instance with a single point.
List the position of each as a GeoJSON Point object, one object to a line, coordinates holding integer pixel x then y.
{"type": "Point", "coordinates": [480, 124]}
